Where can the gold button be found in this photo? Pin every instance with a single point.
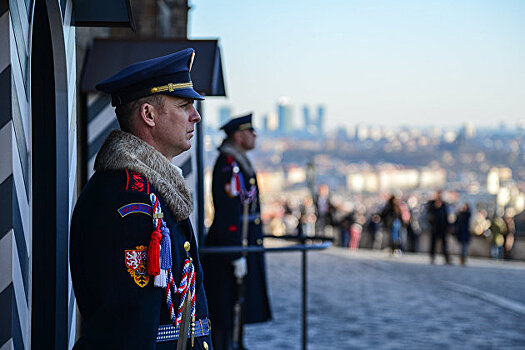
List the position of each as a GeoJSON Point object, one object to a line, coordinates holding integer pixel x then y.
{"type": "Point", "coordinates": [257, 221]}
{"type": "Point", "coordinates": [187, 246]}
{"type": "Point", "coordinates": [205, 345]}
{"type": "Point", "coordinates": [259, 241]}
{"type": "Point", "coordinates": [252, 181]}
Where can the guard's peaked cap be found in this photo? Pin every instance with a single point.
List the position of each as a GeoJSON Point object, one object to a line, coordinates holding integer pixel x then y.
{"type": "Point", "coordinates": [169, 75]}
{"type": "Point", "coordinates": [238, 123]}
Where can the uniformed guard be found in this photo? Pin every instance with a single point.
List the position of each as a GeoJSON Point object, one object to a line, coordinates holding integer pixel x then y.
{"type": "Point", "coordinates": [134, 261]}
{"type": "Point", "coordinates": [235, 283]}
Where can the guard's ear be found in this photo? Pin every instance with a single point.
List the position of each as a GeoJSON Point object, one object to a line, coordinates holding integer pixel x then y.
{"type": "Point", "coordinates": [237, 137]}
{"type": "Point", "coordinates": [148, 114]}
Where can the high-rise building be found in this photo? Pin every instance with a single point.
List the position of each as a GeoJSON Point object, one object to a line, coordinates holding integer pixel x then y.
{"type": "Point", "coordinates": [265, 122]}
{"type": "Point", "coordinates": [361, 132]}
{"type": "Point", "coordinates": [285, 115]}
{"type": "Point", "coordinates": [225, 113]}
{"type": "Point", "coordinates": [306, 116]}
{"type": "Point", "coordinates": [470, 130]}
{"type": "Point", "coordinates": [272, 121]}
{"type": "Point", "coordinates": [320, 119]}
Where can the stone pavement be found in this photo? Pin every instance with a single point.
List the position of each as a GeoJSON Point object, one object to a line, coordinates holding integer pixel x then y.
{"type": "Point", "coordinates": [371, 300]}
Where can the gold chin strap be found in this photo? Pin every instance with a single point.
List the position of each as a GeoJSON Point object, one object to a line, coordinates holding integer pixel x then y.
{"type": "Point", "coordinates": [171, 87]}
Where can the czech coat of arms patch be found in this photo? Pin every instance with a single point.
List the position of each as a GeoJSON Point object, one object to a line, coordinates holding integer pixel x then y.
{"type": "Point", "coordinates": [136, 264]}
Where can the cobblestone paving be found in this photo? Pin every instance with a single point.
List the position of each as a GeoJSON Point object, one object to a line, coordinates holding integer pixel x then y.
{"type": "Point", "coordinates": [369, 300]}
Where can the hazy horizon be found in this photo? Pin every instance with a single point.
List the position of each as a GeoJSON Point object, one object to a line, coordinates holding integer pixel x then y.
{"type": "Point", "coordinates": [380, 63]}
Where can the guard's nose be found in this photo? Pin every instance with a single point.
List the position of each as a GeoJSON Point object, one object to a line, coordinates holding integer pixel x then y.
{"type": "Point", "coordinates": [195, 117]}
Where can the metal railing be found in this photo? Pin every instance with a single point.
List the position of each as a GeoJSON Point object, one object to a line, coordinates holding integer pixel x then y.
{"type": "Point", "coordinates": [303, 248]}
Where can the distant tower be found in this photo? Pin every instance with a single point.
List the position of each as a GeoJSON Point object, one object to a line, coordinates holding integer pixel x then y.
{"type": "Point", "coordinates": [265, 122]}
{"type": "Point", "coordinates": [285, 115]}
{"type": "Point", "coordinates": [320, 119]}
{"type": "Point", "coordinates": [225, 113]}
{"type": "Point", "coordinates": [470, 130]}
{"type": "Point", "coordinates": [361, 132]}
{"type": "Point", "coordinates": [273, 122]}
{"type": "Point", "coordinates": [306, 116]}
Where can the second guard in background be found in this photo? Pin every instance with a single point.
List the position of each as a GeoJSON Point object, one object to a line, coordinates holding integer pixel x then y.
{"type": "Point", "coordinates": [235, 283]}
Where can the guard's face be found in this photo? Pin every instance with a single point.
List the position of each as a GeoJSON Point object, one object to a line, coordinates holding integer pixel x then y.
{"type": "Point", "coordinates": [176, 125]}
{"type": "Point", "coordinates": [248, 137]}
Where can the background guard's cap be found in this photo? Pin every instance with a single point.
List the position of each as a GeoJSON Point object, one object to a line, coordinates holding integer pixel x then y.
{"type": "Point", "coordinates": [243, 122]}
{"type": "Point", "coordinates": [169, 75]}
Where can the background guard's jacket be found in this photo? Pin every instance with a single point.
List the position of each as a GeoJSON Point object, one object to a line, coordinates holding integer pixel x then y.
{"type": "Point", "coordinates": [220, 282]}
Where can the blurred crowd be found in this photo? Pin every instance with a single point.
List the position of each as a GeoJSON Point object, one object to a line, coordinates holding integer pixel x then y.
{"type": "Point", "coordinates": [397, 224]}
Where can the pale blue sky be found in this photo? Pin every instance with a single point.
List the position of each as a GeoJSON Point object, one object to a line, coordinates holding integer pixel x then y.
{"type": "Point", "coordinates": [375, 62]}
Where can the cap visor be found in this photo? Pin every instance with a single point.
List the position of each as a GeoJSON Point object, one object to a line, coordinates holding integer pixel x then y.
{"type": "Point", "coordinates": [185, 93]}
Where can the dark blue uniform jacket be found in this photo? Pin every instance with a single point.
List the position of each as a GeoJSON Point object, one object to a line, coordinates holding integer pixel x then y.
{"type": "Point", "coordinates": [120, 306]}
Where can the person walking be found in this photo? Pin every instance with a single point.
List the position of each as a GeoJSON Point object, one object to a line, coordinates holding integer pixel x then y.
{"type": "Point", "coordinates": [509, 237]}
{"type": "Point", "coordinates": [236, 283]}
{"type": "Point", "coordinates": [498, 232]}
{"type": "Point", "coordinates": [391, 218]}
{"type": "Point", "coordinates": [462, 229]}
{"type": "Point", "coordinates": [437, 215]}
{"type": "Point", "coordinates": [373, 227]}
{"type": "Point", "coordinates": [325, 212]}
{"type": "Point", "coordinates": [134, 262]}
{"type": "Point", "coordinates": [345, 226]}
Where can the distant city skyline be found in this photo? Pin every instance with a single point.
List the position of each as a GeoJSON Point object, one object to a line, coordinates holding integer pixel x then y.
{"type": "Point", "coordinates": [381, 63]}
{"type": "Point", "coordinates": [270, 121]}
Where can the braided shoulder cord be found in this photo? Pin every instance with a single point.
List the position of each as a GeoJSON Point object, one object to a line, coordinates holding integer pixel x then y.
{"type": "Point", "coordinates": [165, 278]}
{"type": "Point", "coordinates": [169, 298]}
{"type": "Point", "coordinates": [187, 283]}
{"type": "Point", "coordinates": [246, 195]}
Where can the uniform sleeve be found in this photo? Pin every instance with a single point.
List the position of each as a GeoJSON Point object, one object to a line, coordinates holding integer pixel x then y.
{"type": "Point", "coordinates": [110, 237]}
{"type": "Point", "coordinates": [228, 208]}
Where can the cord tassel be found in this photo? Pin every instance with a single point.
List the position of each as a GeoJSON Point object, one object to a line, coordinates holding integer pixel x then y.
{"type": "Point", "coordinates": [165, 257]}
{"type": "Point", "coordinates": [154, 253]}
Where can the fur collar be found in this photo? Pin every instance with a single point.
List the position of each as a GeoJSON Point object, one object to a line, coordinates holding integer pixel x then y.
{"type": "Point", "coordinates": [228, 147]}
{"type": "Point", "coordinates": [123, 150]}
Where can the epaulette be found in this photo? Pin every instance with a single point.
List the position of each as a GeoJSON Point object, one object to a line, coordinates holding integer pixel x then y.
{"type": "Point", "coordinates": [136, 182]}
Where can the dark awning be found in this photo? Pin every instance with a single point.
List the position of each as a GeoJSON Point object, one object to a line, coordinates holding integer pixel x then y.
{"type": "Point", "coordinates": [108, 56]}
{"type": "Point", "coordinates": [102, 13]}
